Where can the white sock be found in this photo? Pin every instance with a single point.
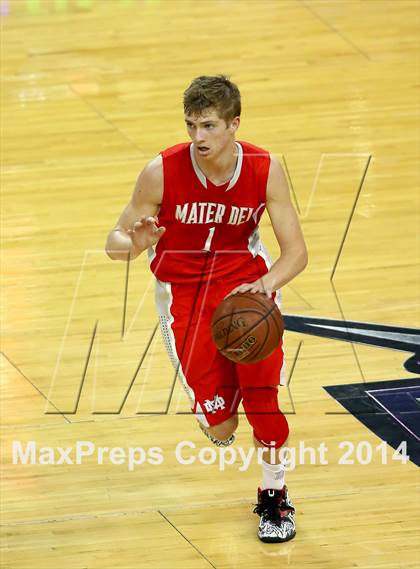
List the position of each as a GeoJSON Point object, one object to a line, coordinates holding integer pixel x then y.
{"type": "Point", "coordinates": [272, 476]}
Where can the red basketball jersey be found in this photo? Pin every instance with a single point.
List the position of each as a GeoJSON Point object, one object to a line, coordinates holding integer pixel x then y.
{"type": "Point", "coordinates": [211, 231]}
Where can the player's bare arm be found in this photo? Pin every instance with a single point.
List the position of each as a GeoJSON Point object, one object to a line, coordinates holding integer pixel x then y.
{"type": "Point", "coordinates": [137, 229]}
{"type": "Point", "coordinates": [193, 171]}
{"type": "Point", "coordinates": [293, 254]}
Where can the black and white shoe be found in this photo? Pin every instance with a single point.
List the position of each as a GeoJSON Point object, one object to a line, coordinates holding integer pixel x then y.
{"type": "Point", "coordinates": [277, 513]}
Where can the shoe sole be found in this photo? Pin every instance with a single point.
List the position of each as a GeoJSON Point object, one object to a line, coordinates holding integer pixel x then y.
{"type": "Point", "coordinates": [276, 539]}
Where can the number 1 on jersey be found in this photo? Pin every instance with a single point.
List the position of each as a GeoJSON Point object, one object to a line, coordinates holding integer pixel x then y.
{"type": "Point", "coordinates": [209, 238]}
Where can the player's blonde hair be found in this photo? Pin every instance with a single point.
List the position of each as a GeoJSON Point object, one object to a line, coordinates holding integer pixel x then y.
{"type": "Point", "coordinates": [213, 91]}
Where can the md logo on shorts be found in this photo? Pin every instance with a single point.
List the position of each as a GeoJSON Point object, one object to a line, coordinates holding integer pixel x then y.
{"type": "Point", "coordinates": [216, 404]}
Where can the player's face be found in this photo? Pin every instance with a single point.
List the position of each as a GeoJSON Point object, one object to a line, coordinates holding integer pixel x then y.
{"type": "Point", "coordinates": [210, 133]}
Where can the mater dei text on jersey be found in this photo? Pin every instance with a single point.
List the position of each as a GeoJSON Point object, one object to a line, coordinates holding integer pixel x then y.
{"type": "Point", "coordinates": [209, 212]}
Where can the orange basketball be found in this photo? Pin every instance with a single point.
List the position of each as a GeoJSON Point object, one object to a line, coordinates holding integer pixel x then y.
{"type": "Point", "coordinates": [247, 327]}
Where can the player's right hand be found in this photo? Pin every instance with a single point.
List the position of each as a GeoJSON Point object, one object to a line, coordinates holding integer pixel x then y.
{"type": "Point", "coordinates": [145, 233]}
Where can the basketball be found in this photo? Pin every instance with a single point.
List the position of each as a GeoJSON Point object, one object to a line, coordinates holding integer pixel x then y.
{"type": "Point", "coordinates": [247, 327]}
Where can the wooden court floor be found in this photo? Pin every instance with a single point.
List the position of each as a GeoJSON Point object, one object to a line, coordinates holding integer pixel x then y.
{"type": "Point", "coordinates": [91, 90]}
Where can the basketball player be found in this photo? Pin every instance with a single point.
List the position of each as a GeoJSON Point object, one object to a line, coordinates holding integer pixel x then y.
{"type": "Point", "coordinates": [196, 209]}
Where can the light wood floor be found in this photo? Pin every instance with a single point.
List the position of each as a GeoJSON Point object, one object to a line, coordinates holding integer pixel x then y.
{"type": "Point", "coordinates": [91, 90]}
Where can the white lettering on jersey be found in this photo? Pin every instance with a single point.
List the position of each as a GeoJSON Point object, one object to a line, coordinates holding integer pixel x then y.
{"type": "Point", "coordinates": [192, 218]}
{"type": "Point", "coordinates": [202, 211]}
{"type": "Point", "coordinates": [234, 212]}
{"type": "Point", "coordinates": [210, 212]}
{"type": "Point", "coordinates": [239, 215]}
{"type": "Point", "coordinates": [245, 214]}
{"type": "Point", "coordinates": [221, 208]}
{"type": "Point", "coordinates": [181, 212]}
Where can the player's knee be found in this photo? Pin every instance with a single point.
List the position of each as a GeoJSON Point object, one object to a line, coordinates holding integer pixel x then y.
{"type": "Point", "coordinates": [263, 413]}
{"type": "Point", "coordinates": [224, 430]}
{"type": "Point", "coordinates": [273, 435]}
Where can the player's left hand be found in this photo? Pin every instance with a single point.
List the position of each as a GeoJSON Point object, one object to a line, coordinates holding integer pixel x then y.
{"type": "Point", "coordinates": [257, 286]}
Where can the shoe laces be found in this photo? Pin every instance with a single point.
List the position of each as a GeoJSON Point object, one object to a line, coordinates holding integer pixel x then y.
{"type": "Point", "coordinates": [272, 506]}
{"type": "Point", "coordinates": [269, 507]}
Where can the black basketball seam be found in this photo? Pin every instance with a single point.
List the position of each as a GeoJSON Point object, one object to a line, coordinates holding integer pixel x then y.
{"type": "Point", "coordinates": [240, 312]}
{"type": "Point", "coordinates": [275, 322]}
{"type": "Point", "coordinates": [262, 345]}
{"type": "Point", "coordinates": [247, 310]}
{"type": "Point", "coordinates": [236, 312]}
{"type": "Point", "coordinates": [250, 309]}
{"type": "Point", "coordinates": [254, 354]}
{"type": "Point", "coordinates": [230, 323]}
{"type": "Point", "coordinates": [254, 326]}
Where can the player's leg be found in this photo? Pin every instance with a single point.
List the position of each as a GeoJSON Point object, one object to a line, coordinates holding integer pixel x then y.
{"type": "Point", "coordinates": [217, 401]}
{"type": "Point", "coordinates": [211, 376]}
{"type": "Point", "coordinates": [225, 429]}
{"type": "Point", "coordinates": [209, 379]}
{"type": "Point", "coordinates": [259, 390]}
{"type": "Point", "coordinates": [223, 434]}
{"type": "Point", "coordinates": [270, 433]}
